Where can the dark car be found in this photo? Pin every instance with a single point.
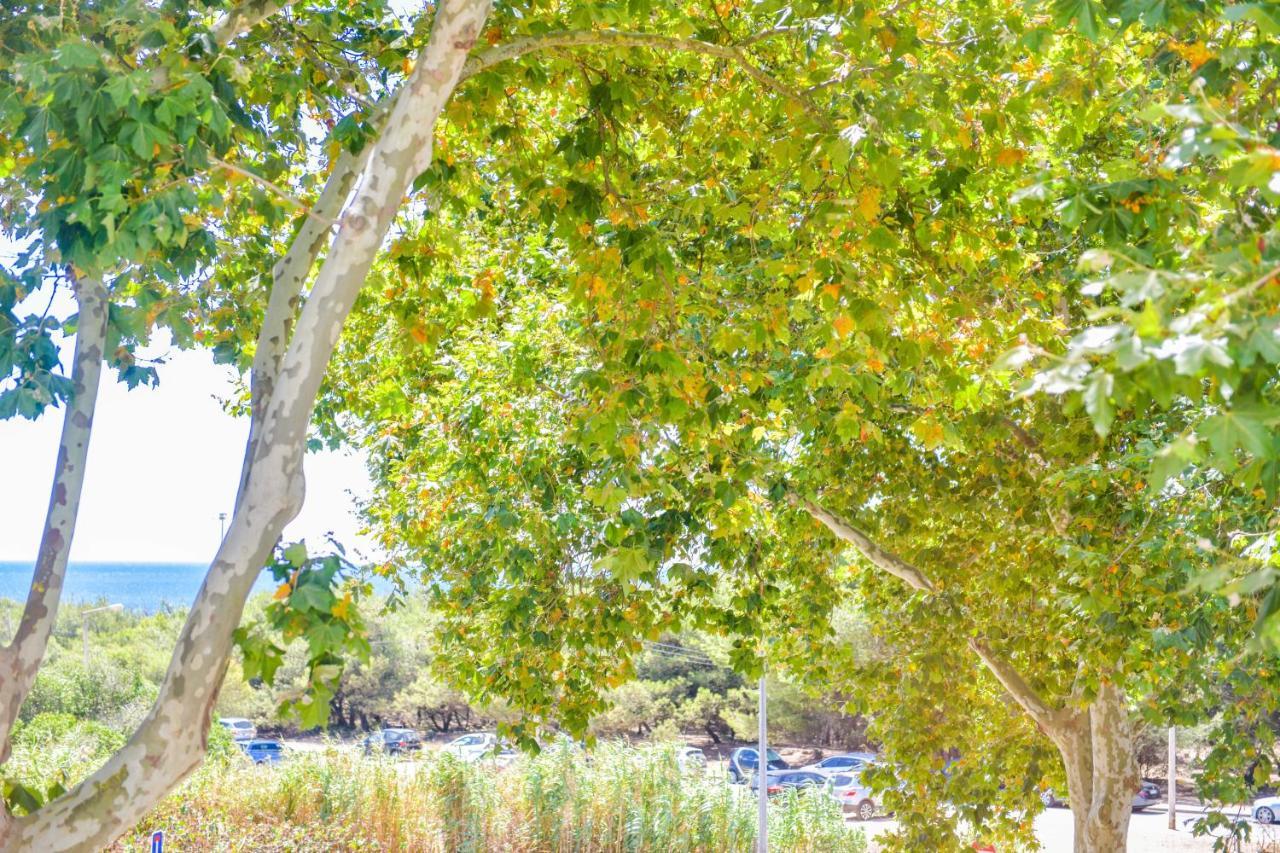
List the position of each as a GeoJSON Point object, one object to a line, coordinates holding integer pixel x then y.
{"type": "Point", "coordinates": [743, 760]}
{"type": "Point", "coordinates": [781, 781]}
{"type": "Point", "coordinates": [1147, 795]}
{"type": "Point", "coordinates": [392, 742]}
{"type": "Point", "coordinates": [263, 751]}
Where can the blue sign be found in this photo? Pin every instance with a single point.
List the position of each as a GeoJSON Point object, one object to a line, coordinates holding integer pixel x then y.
{"type": "Point", "coordinates": [157, 841]}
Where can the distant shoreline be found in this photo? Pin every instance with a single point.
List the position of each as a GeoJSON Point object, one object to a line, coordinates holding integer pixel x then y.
{"type": "Point", "coordinates": [138, 585]}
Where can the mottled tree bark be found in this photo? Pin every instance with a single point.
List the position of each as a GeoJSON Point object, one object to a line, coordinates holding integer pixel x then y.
{"type": "Point", "coordinates": [170, 742]}
{"type": "Point", "coordinates": [21, 659]}
{"type": "Point", "coordinates": [1096, 744]}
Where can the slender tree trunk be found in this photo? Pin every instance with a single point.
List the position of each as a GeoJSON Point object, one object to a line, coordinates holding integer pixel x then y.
{"type": "Point", "coordinates": [21, 659]}
{"type": "Point", "coordinates": [1096, 745]}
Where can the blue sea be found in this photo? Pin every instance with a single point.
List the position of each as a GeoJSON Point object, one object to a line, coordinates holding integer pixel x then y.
{"type": "Point", "coordinates": [145, 587]}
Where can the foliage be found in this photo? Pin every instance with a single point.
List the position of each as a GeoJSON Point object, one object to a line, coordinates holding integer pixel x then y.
{"type": "Point", "coordinates": [309, 604]}
{"type": "Point", "coordinates": [51, 752]}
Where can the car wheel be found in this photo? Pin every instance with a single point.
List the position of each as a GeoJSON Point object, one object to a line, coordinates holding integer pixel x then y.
{"type": "Point", "coordinates": [1265, 815]}
{"type": "Point", "coordinates": [866, 810]}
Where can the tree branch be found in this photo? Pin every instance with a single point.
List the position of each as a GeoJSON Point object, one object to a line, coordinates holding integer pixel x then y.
{"type": "Point", "coordinates": [20, 660]}
{"type": "Point", "coordinates": [1036, 707]}
{"type": "Point", "coordinates": [288, 277]}
{"type": "Point", "coordinates": [240, 19]}
{"type": "Point", "coordinates": [271, 188]}
{"type": "Point", "coordinates": [1044, 715]}
{"type": "Point", "coordinates": [517, 48]}
{"type": "Point", "coordinates": [879, 557]}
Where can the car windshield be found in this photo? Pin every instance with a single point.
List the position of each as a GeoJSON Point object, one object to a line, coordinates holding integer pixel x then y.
{"type": "Point", "coordinates": [773, 756]}
{"type": "Point", "coordinates": [841, 781]}
{"type": "Point", "coordinates": [269, 747]}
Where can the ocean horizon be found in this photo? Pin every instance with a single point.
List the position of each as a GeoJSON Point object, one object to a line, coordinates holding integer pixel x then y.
{"type": "Point", "coordinates": [141, 586]}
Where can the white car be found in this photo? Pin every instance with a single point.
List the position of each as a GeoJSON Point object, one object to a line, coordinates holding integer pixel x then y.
{"type": "Point", "coordinates": [848, 790]}
{"type": "Point", "coordinates": [472, 747]}
{"type": "Point", "coordinates": [239, 727]}
{"type": "Point", "coordinates": [690, 759]}
{"type": "Point", "coordinates": [1266, 809]}
{"type": "Point", "coordinates": [848, 762]}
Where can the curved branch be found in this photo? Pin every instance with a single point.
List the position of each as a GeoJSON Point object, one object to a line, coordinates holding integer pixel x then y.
{"type": "Point", "coordinates": [288, 277]}
{"type": "Point", "coordinates": [517, 48]}
{"type": "Point", "coordinates": [240, 19]}
{"type": "Point", "coordinates": [879, 557]}
{"type": "Point", "coordinates": [1047, 717]}
{"type": "Point", "coordinates": [21, 658]}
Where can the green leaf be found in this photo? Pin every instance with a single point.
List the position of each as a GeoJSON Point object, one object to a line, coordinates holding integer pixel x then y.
{"type": "Point", "coordinates": [296, 554]}
{"type": "Point", "coordinates": [1098, 402]}
{"type": "Point", "coordinates": [77, 55]}
{"type": "Point", "coordinates": [1231, 431]}
{"type": "Point", "coordinates": [1085, 14]}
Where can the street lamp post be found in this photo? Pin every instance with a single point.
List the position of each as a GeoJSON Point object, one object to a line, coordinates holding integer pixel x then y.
{"type": "Point", "coordinates": [84, 627]}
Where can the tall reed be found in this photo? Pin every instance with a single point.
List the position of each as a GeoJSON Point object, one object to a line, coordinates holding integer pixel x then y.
{"type": "Point", "coordinates": [615, 798]}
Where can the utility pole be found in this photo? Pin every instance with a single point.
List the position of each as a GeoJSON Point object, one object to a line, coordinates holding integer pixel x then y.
{"type": "Point", "coordinates": [222, 526]}
{"type": "Point", "coordinates": [84, 628]}
{"type": "Point", "coordinates": [1173, 777]}
{"type": "Point", "coordinates": [762, 771]}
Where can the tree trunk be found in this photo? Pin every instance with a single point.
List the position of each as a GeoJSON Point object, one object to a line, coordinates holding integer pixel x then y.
{"type": "Point", "coordinates": [1096, 745]}
{"type": "Point", "coordinates": [22, 658]}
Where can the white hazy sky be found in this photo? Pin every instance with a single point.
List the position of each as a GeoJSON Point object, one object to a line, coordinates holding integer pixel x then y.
{"type": "Point", "coordinates": [163, 462]}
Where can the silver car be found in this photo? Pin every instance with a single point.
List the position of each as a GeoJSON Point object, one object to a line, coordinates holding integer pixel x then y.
{"type": "Point", "coordinates": [847, 762]}
{"type": "Point", "coordinates": [853, 795]}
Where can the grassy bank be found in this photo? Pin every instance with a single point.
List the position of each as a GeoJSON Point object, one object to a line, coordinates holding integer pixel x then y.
{"type": "Point", "coordinates": [618, 798]}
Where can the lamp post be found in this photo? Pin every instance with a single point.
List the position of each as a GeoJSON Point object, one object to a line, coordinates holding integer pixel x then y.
{"type": "Point", "coordinates": [222, 526]}
{"type": "Point", "coordinates": [762, 773]}
{"type": "Point", "coordinates": [84, 627]}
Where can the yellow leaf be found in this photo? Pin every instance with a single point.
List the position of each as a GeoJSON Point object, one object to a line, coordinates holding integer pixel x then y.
{"type": "Point", "coordinates": [282, 591]}
{"type": "Point", "coordinates": [1010, 156]}
{"type": "Point", "coordinates": [844, 325]}
{"type": "Point", "coordinates": [406, 65]}
{"type": "Point", "coordinates": [869, 202]}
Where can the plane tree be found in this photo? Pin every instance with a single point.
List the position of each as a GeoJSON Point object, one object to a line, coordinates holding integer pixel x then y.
{"type": "Point", "coordinates": [639, 430]}
{"type": "Point", "coordinates": [229, 174]}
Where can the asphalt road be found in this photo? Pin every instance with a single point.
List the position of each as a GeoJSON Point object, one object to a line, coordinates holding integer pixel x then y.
{"type": "Point", "coordinates": [1148, 832]}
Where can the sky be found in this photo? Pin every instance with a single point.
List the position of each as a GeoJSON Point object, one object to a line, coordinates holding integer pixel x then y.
{"type": "Point", "coordinates": [163, 463]}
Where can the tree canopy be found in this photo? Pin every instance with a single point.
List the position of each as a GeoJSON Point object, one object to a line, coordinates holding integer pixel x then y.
{"type": "Point", "coordinates": [673, 316]}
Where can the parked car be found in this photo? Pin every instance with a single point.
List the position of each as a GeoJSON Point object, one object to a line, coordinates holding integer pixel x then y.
{"type": "Point", "coordinates": [263, 751]}
{"type": "Point", "coordinates": [1266, 809]}
{"type": "Point", "coordinates": [779, 781]}
{"type": "Point", "coordinates": [743, 760]}
{"type": "Point", "coordinates": [691, 759]}
{"type": "Point", "coordinates": [1147, 795]}
{"type": "Point", "coordinates": [848, 790]}
{"type": "Point", "coordinates": [239, 727]}
{"type": "Point", "coordinates": [392, 742]}
{"type": "Point", "coordinates": [845, 763]}
{"type": "Point", "coordinates": [472, 747]}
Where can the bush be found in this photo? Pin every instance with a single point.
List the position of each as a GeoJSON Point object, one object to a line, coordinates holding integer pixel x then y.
{"type": "Point", "coordinates": [58, 749]}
